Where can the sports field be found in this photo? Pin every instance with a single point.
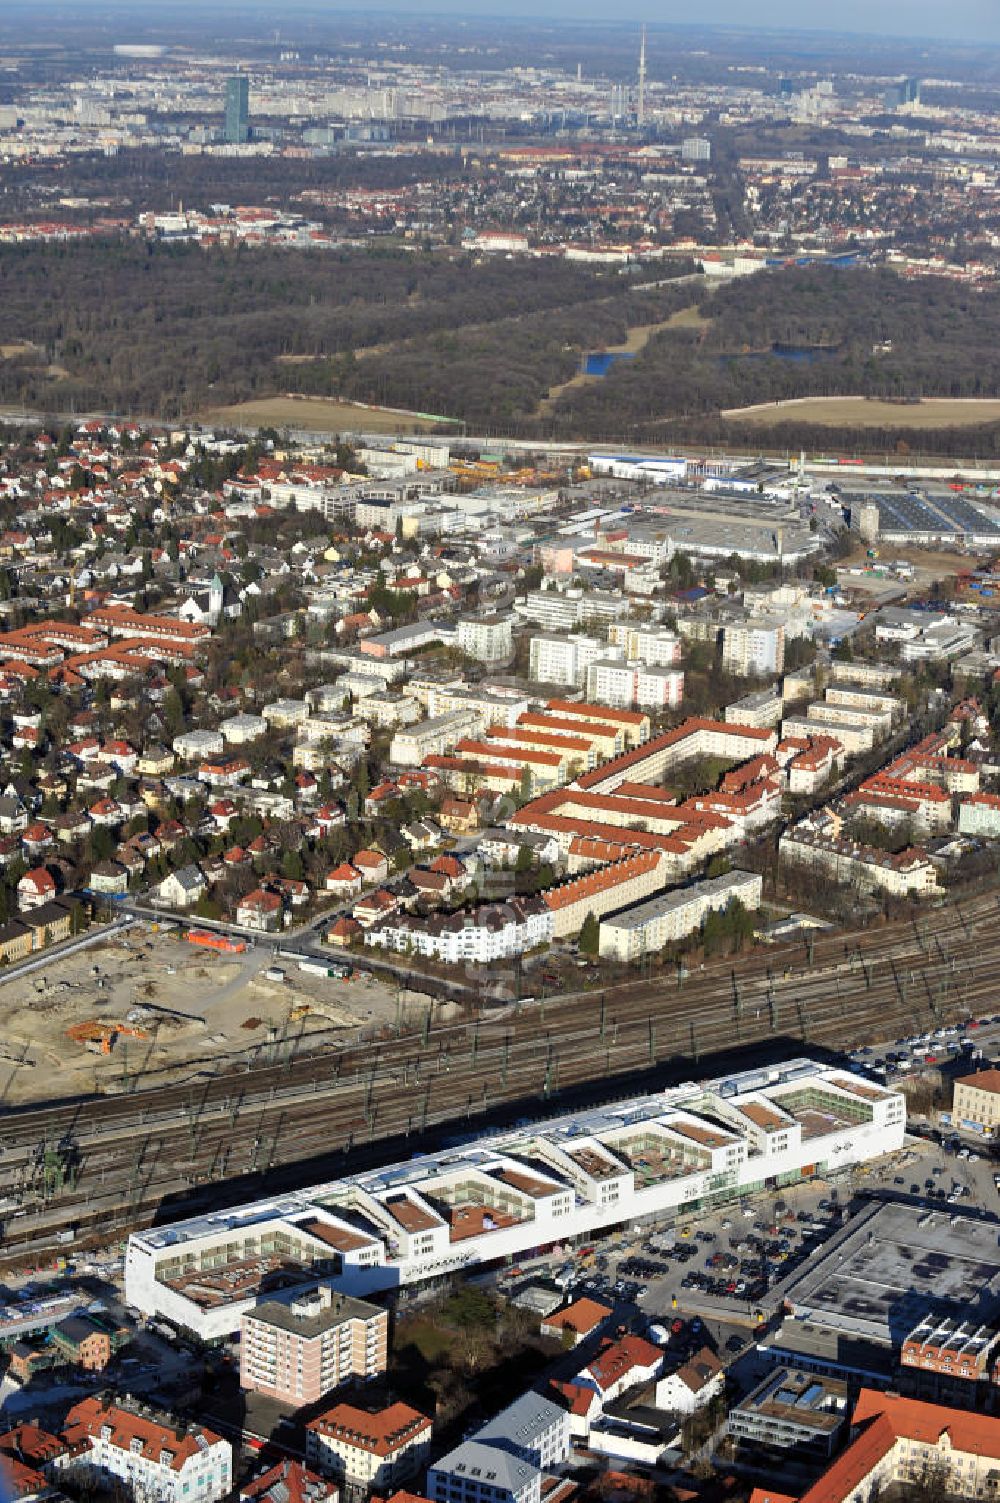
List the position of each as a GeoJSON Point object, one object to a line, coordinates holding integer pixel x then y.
{"type": "Point", "coordinates": [319, 415]}
{"type": "Point", "coordinates": [838, 412]}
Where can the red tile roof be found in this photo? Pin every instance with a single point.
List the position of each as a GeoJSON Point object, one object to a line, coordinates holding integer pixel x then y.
{"type": "Point", "coordinates": [86, 1420]}
{"type": "Point", "coordinates": [595, 712]}
{"type": "Point", "coordinates": [603, 879]}
{"type": "Point", "coordinates": [381, 1433]}
{"type": "Point", "coordinates": [289, 1482]}
{"type": "Point", "coordinates": [691, 727]}
{"type": "Point", "coordinates": [886, 1418]}
{"type": "Point", "coordinates": [582, 1316]}
{"type": "Point", "coordinates": [618, 1358]}
{"type": "Point", "coordinates": [985, 1080]}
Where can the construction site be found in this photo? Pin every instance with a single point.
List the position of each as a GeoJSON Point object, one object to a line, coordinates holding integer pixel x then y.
{"type": "Point", "coordinates": [143, 1008]}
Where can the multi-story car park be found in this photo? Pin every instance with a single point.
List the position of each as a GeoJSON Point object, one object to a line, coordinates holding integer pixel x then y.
{"type": "Point", "coordinates": [642, 1160]}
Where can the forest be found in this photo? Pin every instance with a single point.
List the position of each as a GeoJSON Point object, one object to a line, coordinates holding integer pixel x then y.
{"type": "Point", "coordinates": [167, 331]}
{"type": "Point", "coordinates": [164, 330]}
{"type": "Point", "coordinates": [797, 333]}
{"type": "Point", "coordinates": [149, 180]}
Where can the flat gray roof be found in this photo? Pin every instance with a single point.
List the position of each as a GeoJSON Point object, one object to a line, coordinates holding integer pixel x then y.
{"type": "Point", "coordinates": [892, 1265]}
{"type": "Point", "coordinates": [289, 1315]}
{"type": "Point", "coordinates": [728, 886]}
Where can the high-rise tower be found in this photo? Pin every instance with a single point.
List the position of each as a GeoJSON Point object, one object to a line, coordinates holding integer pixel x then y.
{"type": "Point", "coordinates": [640, 114]}
{"type": "Point", "coordinates": [238, 110]}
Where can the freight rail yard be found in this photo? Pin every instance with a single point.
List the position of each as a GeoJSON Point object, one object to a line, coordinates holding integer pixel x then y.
{"type": "Point", "coordinates": [99, 1167]}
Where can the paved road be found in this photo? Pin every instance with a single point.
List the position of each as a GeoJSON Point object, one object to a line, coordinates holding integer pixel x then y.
{"type": "Point", "coordinates": [66, 947]}
{"type": "Point", "coordinates": [251, 963]}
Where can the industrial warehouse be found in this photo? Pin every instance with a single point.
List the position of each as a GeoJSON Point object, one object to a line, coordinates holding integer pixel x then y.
{"type": "Point", "coordinates": [644, 1159]}
{"type": "Point", "coordinates": [926, 518]}
{"type": "Point", "coordinates": [898, 1285]}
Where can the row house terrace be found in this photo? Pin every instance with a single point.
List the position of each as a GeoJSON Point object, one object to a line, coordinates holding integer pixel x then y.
{"type": "Point", "coordinates": [643, 818]}
{"type": "Point", "coordinates": [122, 621]}
{"type": "Point", "coordinates": [695, 738]}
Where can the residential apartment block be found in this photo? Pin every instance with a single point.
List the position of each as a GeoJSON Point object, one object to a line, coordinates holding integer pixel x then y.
{"type": "Point", "coordinates": [478, 1473]}
{"type": "Point", "coordinates": [488, 639]}
{"type": "Point", "coordinates": [762, 709]}
{"type": "Point", "coordinates": [563, 610]}
{"type": "Point", "coordinates": [158, 1460]}
{"type": "Point", "coordinates": [298, 1349]}
{"type": "Point", "coordinates": [656, 647]}
{"type": "Point", "coordinates": [801, 1415]}
{"type": "Point", "coordinates": [753, 648]}
{"type": "Point", "coordinates": [634, 685]}
{"type": "Point", "coordinates": [670, 916]}
{"type": "Point", "coordinates": [604, 890]}
{"type": "Point", "coordinates": [904, 1442]}
{"type": "Point", "coordinates": [533, 1427]}
{"type": "Point", "coordinates": [554, 659]}
{"type": "Point", "coordinates": [979, 814]}
{"type": "Point", "coordinates": [906, 873]}
{"type": "Point", "coordinates": [946, 1357]}
{"type": "Point", "coordinates": [375, 1451]}
{"type": "Point", "coordinates": [413, 744]}
{"type": "Point", "coordinates": [694, 738]}
{"type": "Point", "coordinates": [494, 931]}
{"type": "Point", "coordinates": [976, 1103]}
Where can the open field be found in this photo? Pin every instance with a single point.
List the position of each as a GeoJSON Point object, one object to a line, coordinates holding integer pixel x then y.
{"type": "Point", "coordinates": [635, 342]}
{"type": "Point", "coordinates": [838, 412]}
{"type": "Point", "coordinates": [687, 318]}
{"type": "Point", "coordinates": [929, 565]}
{"type": "Point", "coordinates": [319, 415]}
{"type": "Point", "coordinates": [176, 1009]}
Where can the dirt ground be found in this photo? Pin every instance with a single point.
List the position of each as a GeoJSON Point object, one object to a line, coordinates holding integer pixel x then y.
{"type": "Point", "coordinates": [190, 1009]}
{"type": "Point", "coordinates": [928, 566]}
{"type": "Point", "coordinates": [319, 415]}
{"type": "Point", "coordinates": [937, 561]}
{"type": "Point", "coordinates": [932, 412]}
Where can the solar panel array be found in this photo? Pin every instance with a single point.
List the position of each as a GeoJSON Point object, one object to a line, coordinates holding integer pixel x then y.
{"type": "Point", "coordinates": [939, 515]}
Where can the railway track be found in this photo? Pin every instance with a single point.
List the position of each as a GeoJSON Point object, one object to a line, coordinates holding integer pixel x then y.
{"type": "Point", "coordinates": [108, 1164]}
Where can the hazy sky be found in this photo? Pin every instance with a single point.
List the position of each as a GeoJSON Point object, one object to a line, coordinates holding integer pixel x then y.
{"type": "Point", "coordinates": [971, 20]}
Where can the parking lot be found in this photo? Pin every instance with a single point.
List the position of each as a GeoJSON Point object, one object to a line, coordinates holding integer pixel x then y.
{"type": "Point", "coordinates": [957, 1044]}
{"type": "Point", "coordinates": [728, 1266]}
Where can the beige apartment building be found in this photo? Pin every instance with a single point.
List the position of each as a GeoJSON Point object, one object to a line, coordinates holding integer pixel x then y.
{"type": "Point", "coordinates": [376, 1452]}
{"type": "Point", "coordinates": [866, 867]}
{"type": "Point", "coordinates": [977, 1101]}
{"type": "Point", "coordinates": [297, 1350]}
